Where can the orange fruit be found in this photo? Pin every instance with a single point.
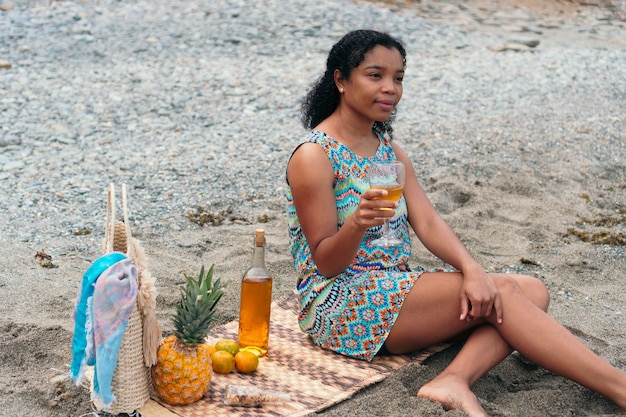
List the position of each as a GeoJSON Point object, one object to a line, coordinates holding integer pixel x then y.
{"type": "Point", "coordinates": [223, 362]}
{"type": "Point", "coordinates": [246, 362]}
{"type": "Point", "coordinates": [229, 345]}
{"type": "Point", "coordinates": [211, 349]}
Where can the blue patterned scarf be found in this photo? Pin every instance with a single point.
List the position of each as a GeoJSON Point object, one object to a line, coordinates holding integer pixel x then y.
{"type": "Point", "coordinates": [104, 304]}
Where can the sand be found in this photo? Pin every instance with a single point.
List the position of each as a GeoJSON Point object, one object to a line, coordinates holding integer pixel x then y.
{"type": "Point", "coordinates": [523, 205]}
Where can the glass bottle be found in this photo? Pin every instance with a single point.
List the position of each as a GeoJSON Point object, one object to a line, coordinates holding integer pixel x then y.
{"type": "Point", "coordinates": [256, 299]}
{"type": "Point", "coordinates": [251, 396]}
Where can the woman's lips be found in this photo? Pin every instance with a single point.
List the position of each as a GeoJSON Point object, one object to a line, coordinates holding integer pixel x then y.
{"type": "Point", "coordinates": [386, 105]}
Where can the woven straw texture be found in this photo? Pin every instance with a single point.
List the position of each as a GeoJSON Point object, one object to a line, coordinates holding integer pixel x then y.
{"type": "Point", "coordinates": [131, 380]}
{"type": "Point", "coordinates": [315, 379]}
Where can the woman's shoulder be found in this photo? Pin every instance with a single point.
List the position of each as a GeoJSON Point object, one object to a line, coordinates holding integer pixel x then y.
{"type": "Point", "coordinates": [308, 161]}
{"type": "Point", "coordinates": [319, 136]}
{"type": "Point", "coordinates": [313, 137]}
{"type": "Point", "coordinates": [312, 147]}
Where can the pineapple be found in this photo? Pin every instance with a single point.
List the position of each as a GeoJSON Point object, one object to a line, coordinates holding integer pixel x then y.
{"type": "Point", "coordinates": [183, 371]}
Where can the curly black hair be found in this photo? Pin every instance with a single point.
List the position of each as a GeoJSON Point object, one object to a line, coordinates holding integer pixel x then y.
{"type": "Point", "coordinates": [323, 97]}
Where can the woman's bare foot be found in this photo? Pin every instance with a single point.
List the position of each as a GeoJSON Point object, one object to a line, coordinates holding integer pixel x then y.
{"type": "Point", "coordinates": [452, 393]}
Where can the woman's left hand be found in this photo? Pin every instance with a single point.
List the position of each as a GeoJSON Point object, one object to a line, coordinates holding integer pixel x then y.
{"type": "Point", "coordinates": [479, 296]}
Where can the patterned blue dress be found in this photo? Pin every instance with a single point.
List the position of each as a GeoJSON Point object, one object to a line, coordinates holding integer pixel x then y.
{"type": "Point", "coordinates": [353, 312]}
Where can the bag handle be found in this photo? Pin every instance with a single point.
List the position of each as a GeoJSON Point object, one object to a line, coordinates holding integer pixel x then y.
{"type": "Point", "coordinates": [146, 300]}
{"type": "Point", "coordinates": [130, 247]}
{"type": "Point", "coordinates": [109, 231]}
{"type": "Point", "coordinates": [109, 227]}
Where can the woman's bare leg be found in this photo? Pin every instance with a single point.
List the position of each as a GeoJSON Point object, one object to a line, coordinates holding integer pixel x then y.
{"type": "Point", "coordinates": [432, 307]}
{"type": "Point", "coordinates": [430, 315]}
{"type": "Point", "coordinates": [542, 339]}
{"type": "Point", "coordinates": [483, 350]}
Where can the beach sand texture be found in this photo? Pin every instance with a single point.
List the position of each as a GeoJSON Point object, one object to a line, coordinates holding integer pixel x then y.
{"type": "Point", "coordinates": [513, 113]}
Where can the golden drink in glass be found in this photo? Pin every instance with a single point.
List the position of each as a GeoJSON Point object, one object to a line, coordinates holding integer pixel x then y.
{"type": "Point", "coordinates": [389, 176]}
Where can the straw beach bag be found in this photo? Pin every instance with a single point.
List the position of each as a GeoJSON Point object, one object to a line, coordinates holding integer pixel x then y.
{"type": "Point", "coordinates": [131, 379]}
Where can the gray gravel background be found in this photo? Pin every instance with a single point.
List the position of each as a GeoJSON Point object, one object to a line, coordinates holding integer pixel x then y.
{"type": "Point", "coordinates": [194, 104]}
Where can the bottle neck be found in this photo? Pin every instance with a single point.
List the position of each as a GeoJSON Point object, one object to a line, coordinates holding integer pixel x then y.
{"type": "Point", "coordinates": [258, 259]}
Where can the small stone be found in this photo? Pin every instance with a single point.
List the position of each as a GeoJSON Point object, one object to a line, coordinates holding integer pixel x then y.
{"type": "Point", "coordinates": [531, 43]}
{"type": "Point", "coordinates": [549, 25]}
{"type": "Point", "coordinates": [5, 7]}
{"type": "Point", "coordinates": [517, 47]}
{"type": "Point", "coordinates": [13, 165]}
{"type": "Point", "coordinates": [5, 64]}
{"type": "Point", "coordinates": [525, 28]}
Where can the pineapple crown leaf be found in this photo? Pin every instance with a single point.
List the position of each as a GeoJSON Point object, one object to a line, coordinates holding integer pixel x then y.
{"type": "Point", "coordinates": [195, 312]}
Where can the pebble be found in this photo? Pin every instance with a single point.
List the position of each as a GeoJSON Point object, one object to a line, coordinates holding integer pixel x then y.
{"type": "Point", "coordinates": [196, 102]}
{"type": "Point", "coordinates": [531, 43]}
{"type": "Point", "coordinates": [510, 46]}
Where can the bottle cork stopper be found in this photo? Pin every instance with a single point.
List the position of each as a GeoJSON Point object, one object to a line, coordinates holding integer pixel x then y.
{"type": "Point", "coordinates": [259, 237]}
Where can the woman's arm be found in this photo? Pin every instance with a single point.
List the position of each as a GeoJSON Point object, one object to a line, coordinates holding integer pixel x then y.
{"type": "Point", "coordinates": [479, 294]}
{"type": "Point", "coordinates": [310, 175]}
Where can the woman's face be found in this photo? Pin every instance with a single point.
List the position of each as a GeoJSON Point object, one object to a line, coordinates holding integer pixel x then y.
{"type": "Point", "coordinates": [374, 88]}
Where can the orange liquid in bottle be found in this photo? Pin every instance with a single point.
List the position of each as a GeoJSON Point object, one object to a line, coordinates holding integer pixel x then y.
{"type": "Point", "coordinates": [254, 315]}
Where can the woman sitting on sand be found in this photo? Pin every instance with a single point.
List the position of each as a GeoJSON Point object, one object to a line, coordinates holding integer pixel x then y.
{"type": "Point", "coordinates": [360, 299]}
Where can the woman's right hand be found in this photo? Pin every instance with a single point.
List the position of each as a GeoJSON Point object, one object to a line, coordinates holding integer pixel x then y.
{"type": "Point", "coordinates": [373, 209]}
{"type": "Point", "coordinates": [479, 295]}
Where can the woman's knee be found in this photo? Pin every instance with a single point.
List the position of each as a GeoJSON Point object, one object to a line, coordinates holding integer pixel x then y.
{"type": "Point", "coordinates": [531, 287]}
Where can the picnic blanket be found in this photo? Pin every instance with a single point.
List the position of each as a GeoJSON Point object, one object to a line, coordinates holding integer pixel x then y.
{"type": "Point", "coordinates": [315, 378]}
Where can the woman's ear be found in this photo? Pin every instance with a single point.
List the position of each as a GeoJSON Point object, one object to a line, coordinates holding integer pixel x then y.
{"type": "Point", "coordinates": [339, 81]}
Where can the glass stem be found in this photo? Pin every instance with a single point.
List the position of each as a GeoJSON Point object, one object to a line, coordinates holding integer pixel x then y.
{"type": "Point", "coordinates": [386, 230]}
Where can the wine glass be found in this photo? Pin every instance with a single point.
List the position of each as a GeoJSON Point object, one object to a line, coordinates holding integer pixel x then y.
{"type": "Point", "coordinates": [387, 175]}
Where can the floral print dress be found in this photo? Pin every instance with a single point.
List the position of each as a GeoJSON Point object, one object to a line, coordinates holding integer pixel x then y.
{"type": "Point", "coordinates": [353, 312]}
